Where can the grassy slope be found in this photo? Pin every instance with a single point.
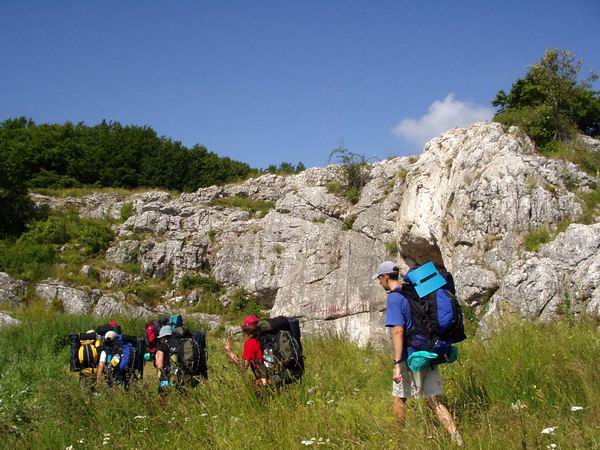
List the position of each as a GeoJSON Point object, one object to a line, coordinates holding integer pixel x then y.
{"type": "Point", "coordinates": [344, 397]}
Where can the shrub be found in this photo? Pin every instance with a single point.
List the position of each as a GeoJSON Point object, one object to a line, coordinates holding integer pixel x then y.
{"type": "Point", "coordinates": [278, 248]}
{"type": "Point", "coordinates": [127, 210]}
{"type": "Point", "coordinates": [26, 259]}
{"type": "Point", "coordinates": [94, 236]}
{"type": "Point", "coordinates": [334, 187]}
{"type": "Point", "coordinates": [392, 247]}
{"type": "Point", "coordinates": [586, 159]}
{"type": "Point", "coordinates": [211, 233]}
{"type": "Point", "coordinates": [536, 238]}
{"type": "Point", "coordinates": [354, 172]}
{"type": "Point", "coordinates": [242, 304]}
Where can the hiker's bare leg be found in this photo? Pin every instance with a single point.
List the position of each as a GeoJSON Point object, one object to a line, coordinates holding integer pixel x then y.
{"type": "Point", "coordinates": [442, 414]}
{"type": "Point", "coordinates": [399, 410]}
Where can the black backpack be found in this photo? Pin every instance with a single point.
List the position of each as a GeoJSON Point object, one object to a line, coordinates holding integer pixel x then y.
{"type": "Point", "coordinates": [281, 344]}
{"type": "Point", "coordinates": [437, 319]}
{"type": "Point", "coordinates": [190, 348]}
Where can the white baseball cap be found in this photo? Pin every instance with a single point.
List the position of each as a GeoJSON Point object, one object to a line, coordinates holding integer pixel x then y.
{"type": "Point", "coordinates": [385, 268]}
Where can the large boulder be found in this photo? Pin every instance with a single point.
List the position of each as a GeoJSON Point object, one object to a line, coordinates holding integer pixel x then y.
{"type": "Point", "coordinates": [6, 320]}
{"type": "Point", "coordinates": [70, 299]}
{"type": "Point", "coordinates": [11, 290]}
{"type": "Point", "coordinates": [115, 305]}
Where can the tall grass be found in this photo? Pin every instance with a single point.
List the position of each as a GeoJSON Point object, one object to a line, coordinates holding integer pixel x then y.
{"type": "Point", "coordinates": [343, 401]}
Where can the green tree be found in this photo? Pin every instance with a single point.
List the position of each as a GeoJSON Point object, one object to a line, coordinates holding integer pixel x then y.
{"type": "Point", "coordinates": [354, 172]}
{"type": "Point", "coordinates": [551, 103]}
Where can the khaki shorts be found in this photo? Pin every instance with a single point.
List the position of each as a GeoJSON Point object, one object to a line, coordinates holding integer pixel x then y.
{"type": "Point", "coordinates": [426, 383]}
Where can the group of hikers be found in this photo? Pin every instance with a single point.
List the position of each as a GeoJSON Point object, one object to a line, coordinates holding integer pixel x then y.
{"type": "Point", "coordinates": [273, 350]}
{"type": "Point", "coordinates": [423, 316]}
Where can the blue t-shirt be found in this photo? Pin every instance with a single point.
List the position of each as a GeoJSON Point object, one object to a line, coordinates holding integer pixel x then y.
{"type": "Point", "coordinates": [398, 315]}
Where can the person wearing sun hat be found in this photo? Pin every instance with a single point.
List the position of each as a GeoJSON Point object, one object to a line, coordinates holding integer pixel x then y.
{"type": "Point", "coordinates": [252, 355]}
{"type": "Point", "coordinates": [162, 360]}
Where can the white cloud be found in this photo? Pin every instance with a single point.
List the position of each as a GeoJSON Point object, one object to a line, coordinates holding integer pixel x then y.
{"type": "Point", "coordinates": [440, 117]}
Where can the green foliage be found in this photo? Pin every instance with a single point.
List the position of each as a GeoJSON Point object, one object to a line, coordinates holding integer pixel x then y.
{"type": "Point", "coordinates": [536, 238]}
{"type": "Point", "coordinates": [550, 103]}
{"type": "Point", "coordinates": [591, 205]}
{"type": "Point", "coordinates": [127, 210]}
{"type": "Point", "coordinates": [401, 174]}
{"type": "Point", "coordinates": [16, 208]}
{"type": "Point", "coordinates": [148, 291]}
{"type": "Point", "coordinates": [334, 187]}
{"type": "Point", "coordinates": [575, 152]}
{"type": "Point", "coordinates": [391, 247]}
{"type": "Point", "coordinates": [286, 168]}
{"type": "Point", "coordinates": [110, 155]}
{"type": "Point", "coordinates": [242, 304]}
{"type": "Point", "coordinates": [94, 236]}
{"type": "Point", "coordinates": [278, 248]}
{"type": "Point", "coordinates": [354, 172]}
{"type": "Point", "coordinates": [211, 233]}
{"type": "Point", "coordinates": [245, 203]}
{"type": "Point", "coordinates": [524, 379]}
{"type": "Point", "coordinates": [33, 255]}
{"type": "Point", "coordinates": [348, 222]}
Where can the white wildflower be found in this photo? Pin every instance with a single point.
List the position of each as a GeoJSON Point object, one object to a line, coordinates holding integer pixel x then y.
{"type": "Point", "coordinates": [140, 417]}
{"type": "Point", "coordinates": [549, 430]}
{"type": "Point", "coordinates": [576, 408]}
{"type": "Point", "coordinates": [329, 402]}
{"type": "Point", "coordinates": [551, 446]}
{"type": "Point", "coordinates": [518, 406]}
{"type": "Point", "coordinates": [203, 415]}
{"type": "Point", "coordinates": [310, 402]}
{"type": "Point", "coordinates": [70, 447]}
{"type": "Point", "coordinates": [307, 442]}
{"type": "Point", "coordinates": [311, 390]}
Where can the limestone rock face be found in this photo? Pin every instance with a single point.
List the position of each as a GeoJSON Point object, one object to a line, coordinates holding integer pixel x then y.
{"type": "Point", "coordinates": [6, 320]}
{"type": "Point", "coordinates": [562, 278]}
{"type": "Point", "coordinates": [466, 203]}
{"type": "Point", "coordinates": [11, 290]}
{"type": "Point", "coordinates": [72, 300]}
{"type": "Point", "coordinates": [113, 305]}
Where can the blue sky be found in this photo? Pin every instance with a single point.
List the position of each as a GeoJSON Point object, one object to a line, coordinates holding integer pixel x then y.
{"type": "Point", "coordinates": [272, 81]}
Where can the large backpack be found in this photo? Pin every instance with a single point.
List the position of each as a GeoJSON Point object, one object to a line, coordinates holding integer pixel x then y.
{"type": "Point", "coordinates": [151, 330]}
{"type": "Point", "coordinates": [188, 352]}
{"type": "Point", "coordinates": [124, 350]}
{"type": "Point", "coordinates": [281, 344]}
{"type": "Point", "coordinates": [84, 352]}
{"type": "Point", "coordinates": [436, 314]}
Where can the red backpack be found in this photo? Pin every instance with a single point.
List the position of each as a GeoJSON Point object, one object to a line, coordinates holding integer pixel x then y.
{"type": "Point", "coordinates": [151, 330]}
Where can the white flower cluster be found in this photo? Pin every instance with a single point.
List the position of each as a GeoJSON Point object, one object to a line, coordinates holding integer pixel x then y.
{"type": "Point", "coordinates": [315, 441]}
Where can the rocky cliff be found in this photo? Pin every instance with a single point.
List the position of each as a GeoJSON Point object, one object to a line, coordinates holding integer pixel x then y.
{"type": "Point", "coordinates": [466, 203]}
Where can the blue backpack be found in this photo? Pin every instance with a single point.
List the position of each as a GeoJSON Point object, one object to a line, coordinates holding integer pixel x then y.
{"type": "Point", "coordinates": [436, 314]}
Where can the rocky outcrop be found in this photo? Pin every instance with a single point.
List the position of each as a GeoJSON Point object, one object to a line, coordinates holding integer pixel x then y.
{"type": "Point", "coordinates": [466, 203]}
{"type": "Point", "coordinates": [115, 305]}
{"type": "Point", "coordinates": [11, 290]}
{"type": "Point", "coordinates": [6, 320]}
{"type": "Point", "coordinates": [69, 299]}
{"type": "Point", "coordinates": [562, 278]}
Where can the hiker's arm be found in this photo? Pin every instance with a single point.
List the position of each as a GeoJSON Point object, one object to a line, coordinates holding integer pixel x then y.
{"type": "Point", "coordinates": [397, 346]}
{"type": "Point", "coordinates": [159, 361]}
{"type": "Point", "coordinates": [233, 357]}
{"type": "Point", "coordinates": [99, 372]}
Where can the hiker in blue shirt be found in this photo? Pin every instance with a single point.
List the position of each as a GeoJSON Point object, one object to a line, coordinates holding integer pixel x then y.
{"type": "Point", "coordinates": [405, 383]}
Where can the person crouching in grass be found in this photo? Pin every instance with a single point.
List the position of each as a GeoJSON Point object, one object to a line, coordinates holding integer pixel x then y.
{"type": "Point", "coordinates": [252, 355]}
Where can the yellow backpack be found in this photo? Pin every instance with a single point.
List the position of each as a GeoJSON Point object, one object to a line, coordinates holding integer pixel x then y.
{"type": "Point", "coordinates": [88, 355]}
